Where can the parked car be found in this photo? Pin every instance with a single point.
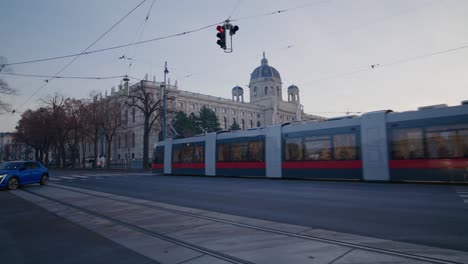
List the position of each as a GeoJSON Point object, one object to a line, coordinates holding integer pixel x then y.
{"type": "Point", "coordinates": [16, 173]}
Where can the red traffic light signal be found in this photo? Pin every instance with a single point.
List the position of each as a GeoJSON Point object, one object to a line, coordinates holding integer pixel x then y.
{"type": "Point", "coordinates": [222, 36]}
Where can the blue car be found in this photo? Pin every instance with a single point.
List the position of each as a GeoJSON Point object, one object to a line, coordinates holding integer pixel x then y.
{"type": "Point", "coordinates": [16, 173]}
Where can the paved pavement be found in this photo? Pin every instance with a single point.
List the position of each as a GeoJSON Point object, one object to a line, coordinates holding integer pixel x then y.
{"type": "Point", "coordinates": [433, 215]}
{"type": "Point", "coordinates": [30, 234]}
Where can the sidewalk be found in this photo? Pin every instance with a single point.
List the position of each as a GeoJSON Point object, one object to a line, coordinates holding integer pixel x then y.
{"type": "Point", "coordinates": [30, 234]}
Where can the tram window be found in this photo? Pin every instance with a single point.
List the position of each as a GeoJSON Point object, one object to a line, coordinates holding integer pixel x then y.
{"type": "Point", "coordinates": [239, 151]}
{"type": "Point", "coordinates": [223, 152]}
{"type": "Point", "coordinates": [199, 154]}
{"type": "Point", "coordinates": [293, 149]}
{"type": "Point", "coordinates": [187, 153]}
{"type": "Point", "coordinates": [256, 152]}
{"type": "Point", "coordinates": [463, 141]}
{"type": "Point", "coordinates": [176, 155]}
{"type": "Point", "coordinates": [345, 147]}
{"type": "Point", "coordinates": [317, 148]}
{"type": "Point", "coordinates": [158, 155]}
{"type": "Point", "coordinates": [407, 143]}
{"type": "Point", "coordinates": [447, 141]}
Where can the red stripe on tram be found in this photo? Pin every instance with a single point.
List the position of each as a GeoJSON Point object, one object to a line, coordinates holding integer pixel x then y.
{"type": "Point", "coordinates": [188, 165]}
{"type": "Point", "coordinates": [345, 164]}
{"type": "Point", "coordinates": [429, 164]}
{"type": "Point", "coordinates": [240, 165]}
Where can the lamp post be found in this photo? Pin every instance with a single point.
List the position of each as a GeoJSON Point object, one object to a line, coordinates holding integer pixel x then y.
{"type": "Point", "coordinates": [164, 101]}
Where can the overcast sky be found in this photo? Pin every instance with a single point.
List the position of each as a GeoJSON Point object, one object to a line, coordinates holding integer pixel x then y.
{"type": "Point", "coordinates": [326, 48]}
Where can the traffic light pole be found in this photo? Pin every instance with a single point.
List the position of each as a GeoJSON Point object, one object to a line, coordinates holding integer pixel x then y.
{"type": "Point", "coordinates": [164, 101]}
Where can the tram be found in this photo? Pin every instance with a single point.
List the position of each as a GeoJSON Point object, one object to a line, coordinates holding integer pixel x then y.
{"type": "Point", "coordinates": [430, 144]}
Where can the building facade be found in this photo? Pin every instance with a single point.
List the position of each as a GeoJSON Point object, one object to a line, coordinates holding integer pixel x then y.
{"type": "Point", "coordinates": [266, 107]}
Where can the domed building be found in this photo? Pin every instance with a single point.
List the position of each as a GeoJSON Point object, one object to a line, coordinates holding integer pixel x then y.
{"type": "Point", "coordinates": [266, 107]}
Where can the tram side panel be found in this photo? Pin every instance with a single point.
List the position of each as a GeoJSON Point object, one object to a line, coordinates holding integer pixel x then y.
{"type": "Point", "coordinates": [328, 150]}
{"type": "Point", "coordinates": [374, 146]}
{"type": "Point", "coordinates": [273, 151]}
{"type": "Point", "coordinates": [429, 145]}
{"type": "Point", "coordinates": [210, 154]}
{"type": "Point", "coordinates": [168, 156]}
{"type": "Point", "coordinates": [241, 153]}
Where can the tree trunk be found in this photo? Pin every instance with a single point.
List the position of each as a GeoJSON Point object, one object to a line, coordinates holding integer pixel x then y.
{"type": "Point", "coordinates": [83, 148]}
{"type": "Point", "coordinates": [108, 153]}
{"type": "Point", "coordinates": [63, 154]}
{"type": "Point", "coordinates": [36, 153]}
{"type": "Point", "coordinates": [146, 133]}
{"type": "Point", "coordinates": [96, 141]}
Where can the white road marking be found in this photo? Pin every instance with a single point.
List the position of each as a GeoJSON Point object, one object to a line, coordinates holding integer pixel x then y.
{"type": "Point", "coordinates": [66, 178]}
{"type": "Point", "coordinates": [466, 201]}
{"type": "Point", "coordinates": [464, 195]}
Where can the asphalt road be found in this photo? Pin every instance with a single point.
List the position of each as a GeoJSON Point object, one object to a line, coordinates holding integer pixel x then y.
{"type": "Point", "coordinates": [433, 215]}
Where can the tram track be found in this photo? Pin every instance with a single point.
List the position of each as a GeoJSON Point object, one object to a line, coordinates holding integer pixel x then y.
{"type": "Point", "coordinates": [224, 221]}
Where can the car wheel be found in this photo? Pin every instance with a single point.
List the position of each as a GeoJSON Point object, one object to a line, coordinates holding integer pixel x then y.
{"type": "Point", "coordinates": [44, 180]}
{"type": "Point", "coordinates": [13, 183]}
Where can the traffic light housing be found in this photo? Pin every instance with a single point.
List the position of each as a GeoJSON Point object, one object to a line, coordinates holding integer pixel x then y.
{"type": "Point", "coordinates": [233, 30]}
{"type": "Point", "coordinates": [221, 36]}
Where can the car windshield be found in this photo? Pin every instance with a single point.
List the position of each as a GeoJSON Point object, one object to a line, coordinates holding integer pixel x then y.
{"type": "Point", "coordinates": [10, 165]}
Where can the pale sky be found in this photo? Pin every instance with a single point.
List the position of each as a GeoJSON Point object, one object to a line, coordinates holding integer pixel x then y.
{"type": "Point", "coordinates": [326, 48]}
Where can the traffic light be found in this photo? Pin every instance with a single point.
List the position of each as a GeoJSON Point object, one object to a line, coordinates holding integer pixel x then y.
{"type": "Point", "coordinates": [222, 36]}
{"type": "Point", "coordinates": [233, 30]}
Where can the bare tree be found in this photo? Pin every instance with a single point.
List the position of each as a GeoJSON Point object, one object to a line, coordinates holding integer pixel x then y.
{"type": "Point", "coordinates": [143, 98]}
{"type": "Point", "coordinates": [111, 121]}
{"type": "Point", "coordinates": [35, 129]}
{"type": "Point", "coordinates": [5, 89]}
{"type": "Point", "coordinates": [92, 113]}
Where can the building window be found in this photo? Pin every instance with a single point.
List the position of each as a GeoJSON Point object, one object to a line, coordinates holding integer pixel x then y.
{"type": "Point", "coordinates": [126, 117]}
{"type": "Point", "coordinates": [119, 142]}
{"type": "Point", "coordinates": [133, 140]}
{"type": "Point", "coordinates": [181, 105]}
{"type": "Point", "coordinates": [233, 112]}
{"type": "Point", "coordinates": [251, 114]}
{"type": "Point", "coordinates": [224, 110]}
{"type": "Point", "coordinates": [243, 113]}
{"type": "Point", "coordinates": [266, 90]}
{"type": "Point", "coordinates": [278, 92]}
{"type": "Point", "coordinates": [133, 115]}
{"type": "Point", "coordinates": [193, 106]}
{"type": "Point", "coordinates": [133, 155]}
{"type": "Point", "coordinates": [251, 124]}
{"type": "Point", "coordinates": [255, 91]}
{"type": "Point", "coordinates": [243, 124]}
{"type": "Point", "coordinates": [225, 122]}
{"type": "Point", "coordinates": [258, 115]}
{"type": "Point", "coordinates": [258, 124]}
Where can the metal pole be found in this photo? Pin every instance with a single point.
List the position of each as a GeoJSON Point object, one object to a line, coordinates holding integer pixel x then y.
{"type": "Point", "coordinates": [164, 101]}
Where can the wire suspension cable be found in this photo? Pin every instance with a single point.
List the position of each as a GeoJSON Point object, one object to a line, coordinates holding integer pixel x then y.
{"type": "Point", "coordinates": [77, 56]}
{"type": "Point", "coordinates": [64, 77]}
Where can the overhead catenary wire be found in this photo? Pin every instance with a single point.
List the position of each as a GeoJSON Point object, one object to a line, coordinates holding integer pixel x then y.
{"type": "Point", "coordinates": [138, 36]}
{"type": "Point", "coordinates": [64, 77]}
{"type": "Point", "coordinates": [163, 37]}
{"type": "Point", "coordinates": [376, 66]}
{"type": "Point", "coordinates": [77, 56]}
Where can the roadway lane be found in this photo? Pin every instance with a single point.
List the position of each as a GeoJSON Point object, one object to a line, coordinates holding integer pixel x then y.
{"type": "Point", "coordinates": [433, 215]}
